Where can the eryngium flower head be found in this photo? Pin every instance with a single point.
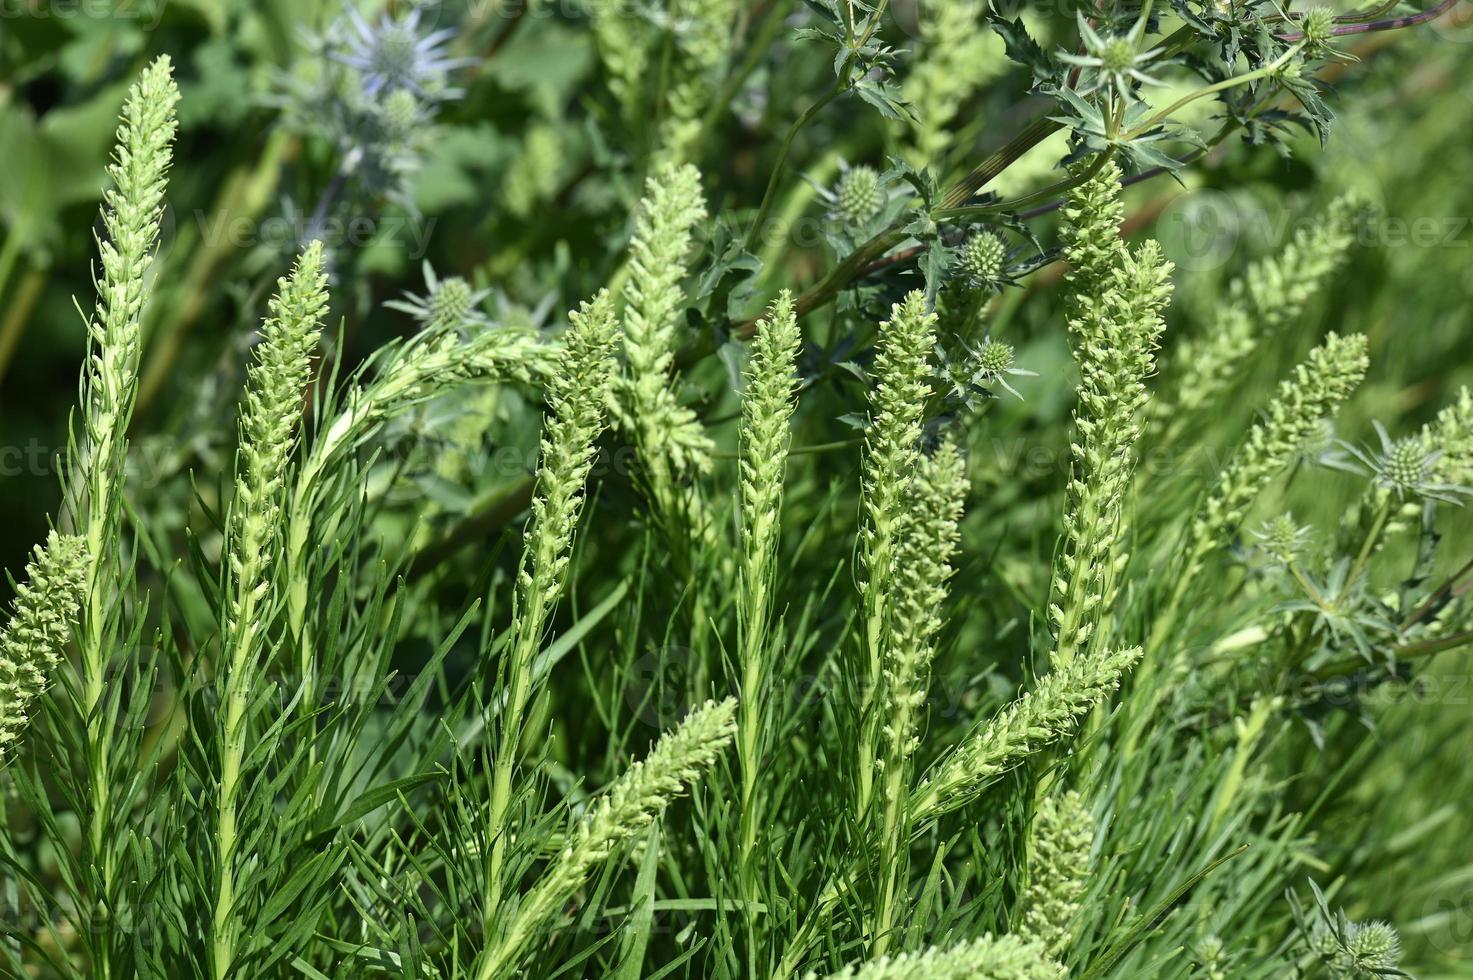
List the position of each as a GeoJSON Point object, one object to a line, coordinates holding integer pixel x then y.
{"type": "Point", "coordinates": [1317, 26]}
{"type": "Point", "coordinates": [1281, 540]}
{"type": "Point", "coordinates": [391, 55]}
{"type": "Point", "coordinates": [980, 371]}
{"type": "Point", "coordinates": [1356, 950]}
{"type": "Point", "coordinates": [1113, 60]}
{"type": "Point", "coordinates": [31, 643]}
{"type": "Point", "coordinates": [1405, 467]}
{"type": "Point", "coordinates": [858, 196]}
{"type": "Point", "coordinates": [1375, 946]}
{"type": "Point", "coordinates": [447, 303]}
{"type": "Point", "coordinates": [982, 260]}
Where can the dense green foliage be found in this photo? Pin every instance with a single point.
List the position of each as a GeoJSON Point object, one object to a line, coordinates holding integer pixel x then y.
{"type": "Point", "coordinates": [862, 490]}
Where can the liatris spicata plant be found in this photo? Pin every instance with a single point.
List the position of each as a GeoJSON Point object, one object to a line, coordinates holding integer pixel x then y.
{"type": "Point", "coordinates": [40, 623]}
{"type": "Point", "coordinates": [96, 467]}
{"type": "Point", "coordinates": [1059, 866]}
{"type": "Point", "coordinates": [903, 371]}
{"type": "Point", "coordinates": [768, 403]}
{"type": "Point", "coordinates": [1270, 293]}
{"type": "Point", "coordinates": [955, 62]}
{"type": "Point", "coordinates": [1116, 320]}
{"type": "Point", "coordinates": [929, 537]}
{"type": "Point", "coordinates": [1316, 390]}
{"type": "Point", "coordinates": [1038, 719]}
{"type": "Point", "coordinates": [635, 800]}
{"type": "Point", "coordinates": [1452, 436]}
{"type": "Point", "coordinates": [269, 418]}
{"type": "Point", "coordinates": [577, 395]}
{"type": "Point", "coordinates": [670, 440]}
{"type": "Point", "coordinates": [988, 958]}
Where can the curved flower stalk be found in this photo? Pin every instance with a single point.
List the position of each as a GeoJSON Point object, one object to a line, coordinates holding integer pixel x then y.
{"type": "Point", "coordinates": [1271, 293]}
{"type": "Point", "coordinates": [1036, 720]}
{"type": "Point", "coordinates": [903, 370]}
{"type": "Point", "coordinates": [1059, 866]}
{"type": "Point", "coordinates": [576, 396]}
{"type": "Point", "coordinates": [401, 378]}
{"type": "Point", "coordinates": [1315, 391]}
{"type": "Point", "coordinates": [268, 421]}
{"type": "Point", "coordinates": [631, 804]}
{"type": "Point", "coordinates": [132, 210]}
{"type": "Point", "coordinates": [988, 958]}
{"type": "Point", "coordinates": [1293, 419]}
{"type": "Point", "coordinates": [930, 538]}
{"type": "Point", "coordinates": [1115, 321]}
{"type": "Point", "coordinates": [768, 403]}
{"type": "Point", "coordinates": [1032, 723]}
{"type": "Point", "coordinates": [668, 435]}
{"type": "Point", "coordinates": [31, 643]}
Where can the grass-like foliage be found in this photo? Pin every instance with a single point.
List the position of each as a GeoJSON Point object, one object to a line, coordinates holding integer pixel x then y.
{"type": "Point", "coordinates": [669, 598]}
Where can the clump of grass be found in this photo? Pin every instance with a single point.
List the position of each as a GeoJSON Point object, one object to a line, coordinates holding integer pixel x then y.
{"type": "Point", "coordinates": [348, 707]}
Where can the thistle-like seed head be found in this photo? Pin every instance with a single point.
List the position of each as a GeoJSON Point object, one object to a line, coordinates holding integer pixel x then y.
{"type": "Point", "coordinates": [981, 259]}
{"type": "Point", "coordinates": [1375, 946]}
{"type": "Point", "coordinates": [994, 357]}
{"type": "Point", "coordinates": [1406, 465]}
{"type": "Point", "coordinates": [452, 300]}
{"type": "Point", "coordinates": [1282, 540]}
{"type": "Point", "coordinates": [402, 112]}
{"type": "Point", "coordinates": [1317, 26]}
{"type": "Point", "coordinates": [857, 198]}
{"type": "Point", "coordinates": [1283, 536]}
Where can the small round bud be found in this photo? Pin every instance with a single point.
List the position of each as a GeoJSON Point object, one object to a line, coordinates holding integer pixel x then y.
{"type": "Point", "coordinates": [401, 112]}
{"type": "Point", "coordinates": [451, 301]}
{"type": "Point", "coordinates": [1292, 72]}
{"type": "Point", "coordinates": [981, 259]}
{"type": "Point", "coordinates": [1317, 27]}
{"type": "Point", "coordinates": [1117, 55]}
{"type": "Point", "coordinates": [1375, 946]}
{"type": "Point", "coordinates": [857, 198]}
{"type": "Point", "coordinates": [994, 357]}
{"type": "Point", "coordinates": [1406, 465]}
{"type": "Point", "coordinates": [1282, 540]}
